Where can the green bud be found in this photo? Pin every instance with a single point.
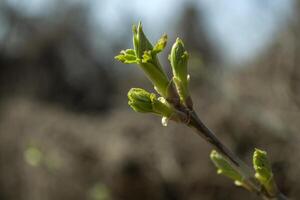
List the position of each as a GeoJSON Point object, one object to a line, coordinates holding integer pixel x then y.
{"type": "Point", "coordinates": [139, 100]}
{"type": "Point", "coordinates": [263, 170]}
{"type": "Point", "coordinates": [179, 60]}
{"type": "Point", "coordinates": [225, 168]}
{"type": "Point", "coordinates": [145, 55]}
{"type": "Point", "coordinates": [140, 41]}
{"type": "Point", "coordinates": [145, 102]}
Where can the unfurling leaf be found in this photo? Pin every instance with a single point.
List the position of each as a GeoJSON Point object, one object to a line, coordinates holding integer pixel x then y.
{"type": "Point", "coordinates": [127, 56]}
{"type": "Point", "coordinates": [160, 45]}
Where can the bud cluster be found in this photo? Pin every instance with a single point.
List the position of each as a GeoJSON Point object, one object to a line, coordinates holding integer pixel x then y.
{"type": "Point", "coordinates": [174, 91]}
{"type": "Point", "coordinates": [175, 103]}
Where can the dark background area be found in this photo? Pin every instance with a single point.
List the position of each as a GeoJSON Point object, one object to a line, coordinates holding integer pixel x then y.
{"type": "Point", "coordinates": [66, 131]}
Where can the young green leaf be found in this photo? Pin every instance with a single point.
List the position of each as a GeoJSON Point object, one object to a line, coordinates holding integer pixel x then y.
{"type": "Point", "coordinates": [160, 45]}
{"type": "Point", "coordinates": [127, 56]}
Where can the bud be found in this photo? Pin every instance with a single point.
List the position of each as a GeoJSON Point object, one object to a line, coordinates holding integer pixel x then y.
{"type": "Point", "coordinates": [140, 41]}
{"type": "Point", "coordinates": [145, 102]}
{"type": "Point", "coordinates": [145, 55]}
{"type": "Point", "coordinates": [179, 60]}
{"type": "Point", "coordinates": [139, 100]}
{"type": "Point", "coordinates": [225, 168]}
{"type": "Point", "coordinates": [263, 171]}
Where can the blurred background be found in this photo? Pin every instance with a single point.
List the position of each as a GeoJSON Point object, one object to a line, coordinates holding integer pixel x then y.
{"type": "Point", "coordinates": [66, 131]}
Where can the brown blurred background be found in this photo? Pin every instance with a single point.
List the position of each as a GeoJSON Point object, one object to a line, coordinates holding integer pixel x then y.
{"type": "Point", "coordinates": [66, 131]}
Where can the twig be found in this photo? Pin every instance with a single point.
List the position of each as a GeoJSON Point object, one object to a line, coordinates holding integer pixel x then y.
{"type": "Point", "coordinates": [203, 131]}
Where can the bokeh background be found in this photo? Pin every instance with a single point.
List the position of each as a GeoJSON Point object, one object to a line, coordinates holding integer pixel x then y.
{"type": "Point", "coordinates": [66, 131]}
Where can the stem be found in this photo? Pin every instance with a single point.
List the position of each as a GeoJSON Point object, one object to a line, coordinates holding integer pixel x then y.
{"type": "Point", "coordinates": [209, 136]}
{"type": "Point", "coordinates": [238, 164]}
